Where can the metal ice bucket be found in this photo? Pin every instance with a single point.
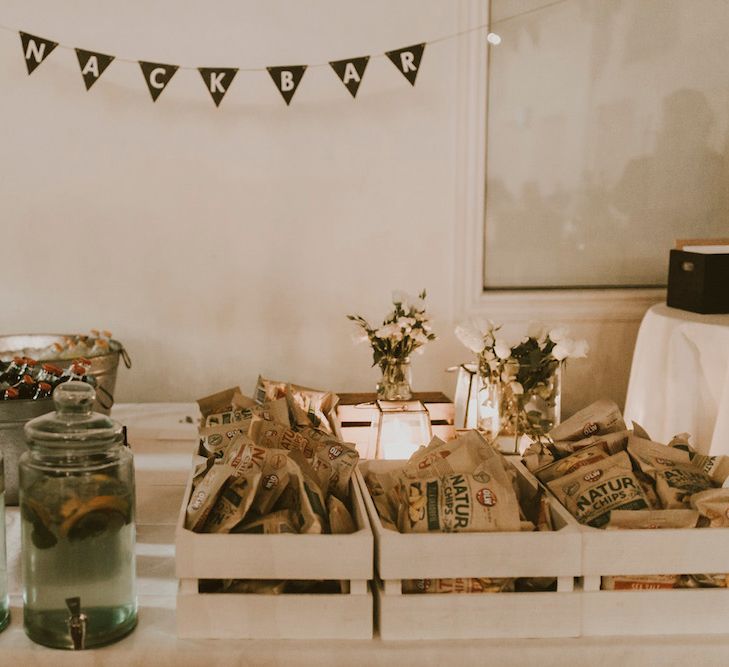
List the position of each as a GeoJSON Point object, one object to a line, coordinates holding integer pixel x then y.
{"type": "Point", "coordinates": [14, 414]}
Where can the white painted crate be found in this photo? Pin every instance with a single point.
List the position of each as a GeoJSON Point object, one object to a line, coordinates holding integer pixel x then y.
{"type": "Point", "coordinates": [661, 612]}
{"type": "Point", "coordinates": [652, 612]}
{"type": "Point", "coordinates": [288, 616]}
{"type": "Point", "coordinates": [447, 555]}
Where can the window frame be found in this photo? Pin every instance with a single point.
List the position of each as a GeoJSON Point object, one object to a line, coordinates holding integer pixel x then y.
{"type": "Point", "coordinates": [471, 297]}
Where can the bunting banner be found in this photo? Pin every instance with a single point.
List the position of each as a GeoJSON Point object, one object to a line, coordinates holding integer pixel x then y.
{"type": "Point", "coordinates": [157, 76]}
{"type": "Point", "coordinates": [407, 60]}
{"type": "Point", "coordinates": [92, 65]}
{"type": "Point", "coordinates": [351, 72]}
{"type": "Point", "coordinates": [287, 79]}
{"type": "Point", "coordinates": [218, 80]}
{"type": "Point", "coordinates": [35, 50]}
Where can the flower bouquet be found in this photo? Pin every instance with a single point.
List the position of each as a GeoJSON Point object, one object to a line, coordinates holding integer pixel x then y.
{"type": "Point", "coordinates": [404, 330]}
{"type": "Point", "coordinates": [519, 387]}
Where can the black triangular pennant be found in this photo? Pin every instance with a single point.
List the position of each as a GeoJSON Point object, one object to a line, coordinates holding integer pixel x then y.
{"type": "Point", "coordinates": [157, 76]}
{"type": "Point", "coordinates": [407, 60]}
{"type": "Point", "coordinates": [217, 80]}
{"type": "Point", "coordinates": [287, 79]}
{"type": "Point", "coordinates": [35, 50]}
{"type": "Point", "coordinates": [92, 65]}
{"type": "Point", "coordinates": [351, 72]}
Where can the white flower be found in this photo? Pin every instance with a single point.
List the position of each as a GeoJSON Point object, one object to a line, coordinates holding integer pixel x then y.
{"type": "Point", "coordinates": [502, 349]}
{"type": "Point", "coordinates": [558, 334]}
{"type": "Point", "coordinates": [419, 337]}
{"type": "Point", "coordinates": [388, 331]}
{"type": "Point", "coordinates": [516, 387]}
{"type": "Point", "coordinates": [537, 331]}
{"type": "Point", "coordinates": [403, 298]}
{"type": "Point", "coordinates": [563, 349]}
{"type": "Point", "coordinates": [471, 337]}
{"type": "Point", "coordinates": [358, 338]}
{"type": "Point", "coordinates": [581, 349]}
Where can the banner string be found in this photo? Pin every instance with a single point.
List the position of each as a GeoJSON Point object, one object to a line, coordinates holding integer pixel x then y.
{"type": "Point", "coordinates": [436, 40]}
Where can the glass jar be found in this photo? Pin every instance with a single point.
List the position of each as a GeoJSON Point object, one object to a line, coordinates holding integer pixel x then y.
{"type": "Point", "coordinates": [396, 379]}
{"type": "Point", "coordinates": [4, 603]}
{"type": "Point", "coordinates": [533, 412]}
{"type": "Point", "coordinates": [77, 525]}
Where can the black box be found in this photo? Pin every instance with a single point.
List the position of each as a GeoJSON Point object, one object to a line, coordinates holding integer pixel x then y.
{"type": "Point", "coordinates": [698, 282]}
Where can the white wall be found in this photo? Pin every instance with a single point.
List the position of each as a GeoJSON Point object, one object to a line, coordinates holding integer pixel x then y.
{"type": "Point", "coordinates": [220, 243]}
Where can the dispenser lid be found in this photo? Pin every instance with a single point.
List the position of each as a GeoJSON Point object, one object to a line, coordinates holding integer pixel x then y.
{"type": "Point", "coordinates": [74, 422]}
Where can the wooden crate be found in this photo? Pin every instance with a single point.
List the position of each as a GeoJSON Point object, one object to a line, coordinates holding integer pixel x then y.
{"type": "Point", "coordinates": [660, 612]}
{"type": "Point", "coordinates": [356, 412]}
{"type": "Point", "coordinates": [446, 555]}
{"type": "Point", "coordinates": [289, 616]}
{"type": "Point", "coordinates": [652, 612]}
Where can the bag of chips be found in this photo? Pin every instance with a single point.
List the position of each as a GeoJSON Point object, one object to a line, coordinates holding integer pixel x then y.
{"type": "Point", "coordinates": [593, 491]}
{"type": "Point", "coordinates": [676, 478]}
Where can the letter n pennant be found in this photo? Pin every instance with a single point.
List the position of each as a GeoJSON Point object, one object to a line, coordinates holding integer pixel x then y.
{"type": "Point", "coordinates": [351, 72]}
{"type": "Point", "coordinates": [157, 76]}
{"type": "Point", "coordinates": [217, 80]}
{"type": "Point", "coordinates": [287, 79]}
{"type": "Point", "coordinates": [92, 65]}
{"type": "Point", "coordinates": [35, 50]}
{"type": "Point", "coordinates": [407, 60]}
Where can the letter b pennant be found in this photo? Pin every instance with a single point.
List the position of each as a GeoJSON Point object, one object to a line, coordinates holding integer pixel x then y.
{"type": "Point", "coordinates": [287, 79]}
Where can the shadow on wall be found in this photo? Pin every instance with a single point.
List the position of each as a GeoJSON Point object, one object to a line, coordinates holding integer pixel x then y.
{"type": "Point", "coordinates": [678, 190]}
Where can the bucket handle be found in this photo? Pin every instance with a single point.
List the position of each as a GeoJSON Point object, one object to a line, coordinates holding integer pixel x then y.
{"type": "Point", "coordinates": [105, 399]}
{"type": "Point", "coordinates": [125, 356]}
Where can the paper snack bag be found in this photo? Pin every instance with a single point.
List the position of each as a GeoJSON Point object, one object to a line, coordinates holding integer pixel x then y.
{"type": "Point", "coordinates": [579, 459]}
{"type": "Point", "coordinates": [462, 502]}
{"type": "Point", "coordinates": [598, 418]}
{"type": "Point", "coordinates": [340, 520]}
{"type": "Point", "coordinates": [593, 491]}
{"type": "Point", "coordinates": [652, 519]}
{"type": "Point", "coordinates": [459, 585]}
{"type": "Point", "coordinates": [713, 505]}
{"type": "Point", "coordinates": [676, 478]}
{"type": "Point", "coordinates": [205, 495]}
{"type": "Point", "coordinates": [276, 523]}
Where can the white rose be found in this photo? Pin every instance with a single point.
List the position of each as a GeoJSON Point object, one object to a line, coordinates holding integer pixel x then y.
{"type": "Point", "coordinates": [398, 296]}
{"type": "Point", "coordinates": [470, 337]}
{"type": "Point", "coordinates": [516, 387]}
{"type": "Point", "coordinates": [420, 337]}
{"type": "Point", "coordinates": [358, 338]}
{"type": "Point", "coordinates": [563, 349]}
{"type": "Point", "coordinates": [558, 334]}
{"type": "Point", "coordinates": [387, 330]}
{"type": "Point", "coordinates": [502, 349]}
{"type": "Point", "coordinates": [581, 348]}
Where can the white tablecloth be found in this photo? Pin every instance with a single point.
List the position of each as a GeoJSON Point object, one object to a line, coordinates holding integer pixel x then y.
{"type": "Point", "coordinates": [162, 467]}
{"type": "Point", "coordinates": [679, 380]}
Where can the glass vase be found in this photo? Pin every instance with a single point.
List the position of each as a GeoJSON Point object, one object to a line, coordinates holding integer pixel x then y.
{"type": "Point", "coordinates": [533, 413]}
{"type": "Point", "coordinates": [394, 385]}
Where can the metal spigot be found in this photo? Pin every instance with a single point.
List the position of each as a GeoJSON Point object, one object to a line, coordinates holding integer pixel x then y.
{"type": "Point", "coordinates": [76, 623]}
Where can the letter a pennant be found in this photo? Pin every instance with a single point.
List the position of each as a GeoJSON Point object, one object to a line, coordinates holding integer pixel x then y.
{"type": "Point", "coordinates": [351, 72]}
{"type": "Point", "coordinates": [157, 76]}
{"type": "Point", "coordinates": [35, 50]}
{"type": "Point", "coordinates": [407, 60]}
{"type": "Point", "coordinates": [217, 80]}
{"type": "Point", "coordinates": [92, 65]}
{"type": "Point", "coordinates": [287, 79]}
